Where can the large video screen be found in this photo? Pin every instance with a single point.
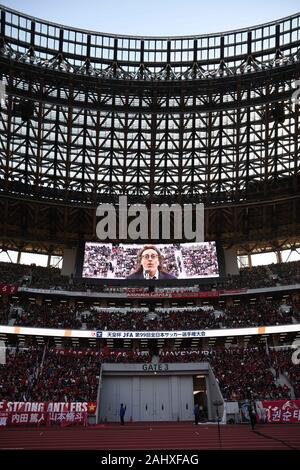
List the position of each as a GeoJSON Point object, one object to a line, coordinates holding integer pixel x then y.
{"type": "Point", "coordinates": [167, 261]}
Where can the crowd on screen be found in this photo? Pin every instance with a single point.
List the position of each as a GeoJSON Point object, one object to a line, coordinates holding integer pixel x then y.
{"type": "Point", "coordinates": [125, 260]}
{"type": "Point", "coordinates": [54, 375]}
{"type": "Point", "coordinates": [200, 261]}
{"type": "Point", "coordinates": [97, 261]}
{"type": "Point", "coordinates": [117, 262]}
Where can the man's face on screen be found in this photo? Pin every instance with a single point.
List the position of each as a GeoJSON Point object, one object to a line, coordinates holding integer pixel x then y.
{"type": "Point", "coordinates": [150, 261]}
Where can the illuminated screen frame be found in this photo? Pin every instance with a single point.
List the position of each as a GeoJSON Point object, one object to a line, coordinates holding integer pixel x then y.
{"type": "Point", "coordinates": [177, 251]}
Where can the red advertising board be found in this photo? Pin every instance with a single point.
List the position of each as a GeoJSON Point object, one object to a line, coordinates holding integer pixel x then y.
{"type": "Point", "coordinates": [280, 411]}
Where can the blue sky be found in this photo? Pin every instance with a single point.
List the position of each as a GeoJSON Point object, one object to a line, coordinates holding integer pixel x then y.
{"type": "Point", "coordinates": [157, 17]}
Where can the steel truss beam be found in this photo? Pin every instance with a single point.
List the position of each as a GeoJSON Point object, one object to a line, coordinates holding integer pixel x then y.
{"type": "Point", "coordinates": [229, 139]}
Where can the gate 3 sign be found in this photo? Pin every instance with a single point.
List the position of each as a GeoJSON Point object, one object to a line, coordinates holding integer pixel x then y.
{"type": "Point", "coordinates": [155, 367]}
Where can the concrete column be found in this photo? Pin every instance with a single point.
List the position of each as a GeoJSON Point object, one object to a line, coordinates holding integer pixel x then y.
{"type": "Point", "coordinates": [231, 265]}
{"type": "Point", "coordinates": [69, 261]}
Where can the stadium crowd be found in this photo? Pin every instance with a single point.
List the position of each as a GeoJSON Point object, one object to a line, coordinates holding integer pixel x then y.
{"type": "Point", "coordinates": [68, 315]}
{"type": "Point", "coordinates": [73, 375]}
{"type": "Point", "coordinates": [50, 278]}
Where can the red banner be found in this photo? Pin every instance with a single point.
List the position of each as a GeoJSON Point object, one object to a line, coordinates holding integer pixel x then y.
{"type": "Point", "coordinates": [234, 291]}
{"type": "Point", "coordinates": [20, 407]}
{"type": "Point", "coordinates": [174, 295]}
{"type": "Point", "coordinates": [5, 289]}
{"type": "Point", "coordinates": [281, 411]}
{"type": "Point", "coordinates": [22, 419]}
{"type": "Point", "coordinates": [65, 418]}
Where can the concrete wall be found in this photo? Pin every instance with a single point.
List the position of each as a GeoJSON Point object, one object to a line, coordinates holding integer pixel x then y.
{"type": "Point", "coordinates": [69, 261]}
{"type": "Point", "coordinates": [153, 392]}
{"type": "Point", "coordinates": [231, 265]}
